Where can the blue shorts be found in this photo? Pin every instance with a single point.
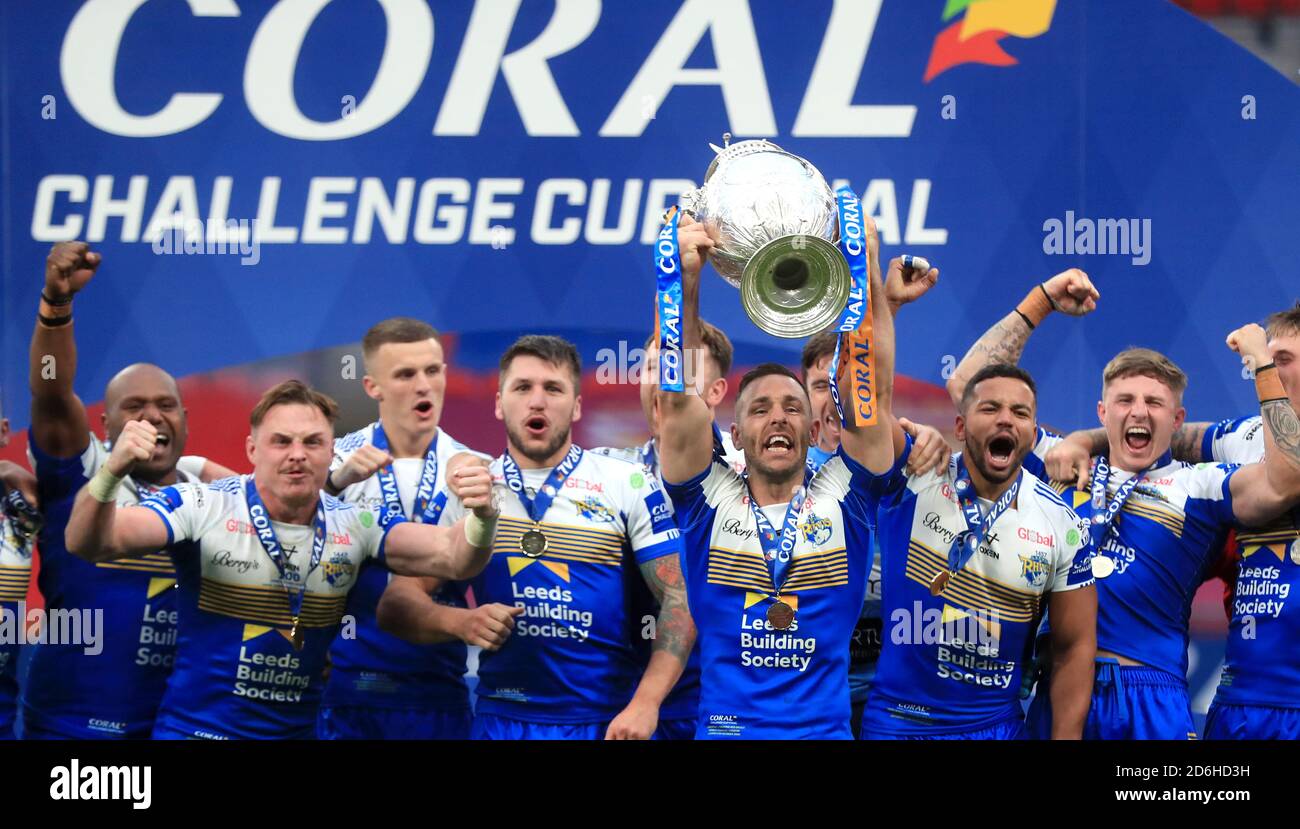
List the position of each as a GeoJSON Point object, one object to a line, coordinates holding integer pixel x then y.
{"type": "Point", "coordinates": [359, 722]}
{"type": "Point", "coordinates": [1251, 722]}
{"type": "Point", "coordinates": [1013, 729]}
{"type": "Point", "coordinates": [679, 729]}
{"type": "Point", "coordinates": [492, 727]}
{"type": "Point", "coordinates": [1129, 702]}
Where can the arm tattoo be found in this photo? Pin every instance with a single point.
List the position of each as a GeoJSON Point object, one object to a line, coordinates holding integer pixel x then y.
{"type": "Point", "coordinates": [674, 630]}
{"type": "Point", "coordinates": [1284, 424]}
{"type": "Point", "coordinates": [1003, 343]}
{"type": "Point", "coordinates": [1187, 442]}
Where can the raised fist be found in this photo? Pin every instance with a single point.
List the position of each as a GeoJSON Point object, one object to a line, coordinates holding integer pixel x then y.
{"type": "Point", "coordinates": [359, 466]}
{"type": "Point", "coordinates": [68, 268]}
{"type": "Point", "coordinates": [1072, 293]}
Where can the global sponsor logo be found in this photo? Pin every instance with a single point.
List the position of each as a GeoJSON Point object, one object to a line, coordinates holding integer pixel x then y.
{"type": "Point", "coordinates": [1035, 537]}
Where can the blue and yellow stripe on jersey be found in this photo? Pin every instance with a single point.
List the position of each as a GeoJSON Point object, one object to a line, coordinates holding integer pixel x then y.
{"type": "Point", "coordinates": [269, 605]}
{"type": "Point", "coordinates": [808, 571]}
{"type": "Point", "coordinates": [566, 541]}
{"type": "Point", "coordinates": [13, 583]}
{"type": "Point", "coordinates": [159, 564]}
{"type": "Point", "coordinates": [970, 589]}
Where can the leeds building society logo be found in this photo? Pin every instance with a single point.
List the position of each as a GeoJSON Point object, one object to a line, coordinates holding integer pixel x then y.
{"type": "Point", "coordinates": [974, 37]}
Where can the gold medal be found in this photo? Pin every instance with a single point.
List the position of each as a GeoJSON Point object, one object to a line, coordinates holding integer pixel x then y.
{"type": "Point", "coordinates": [780, 615]}
{"type": "Point", "coordinates": [534, 542]}
{"type": "Point", "coordinates": [940, 582]}
{"type": "Point", "coordinates": [295, 635]}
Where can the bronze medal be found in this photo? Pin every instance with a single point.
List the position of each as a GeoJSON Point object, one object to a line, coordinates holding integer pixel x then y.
{"type": "Point", "coordinates": [295, 635]}
{"type": "Point", "coordinates": [780, 615]}
{"type": "Point", "coordinates": [533, 543]}
{"type": "Point", "coordinates": [940, 583]}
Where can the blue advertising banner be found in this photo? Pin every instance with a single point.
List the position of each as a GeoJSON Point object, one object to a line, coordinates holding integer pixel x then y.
{"type": "Point", "coordinates": [266, 178]}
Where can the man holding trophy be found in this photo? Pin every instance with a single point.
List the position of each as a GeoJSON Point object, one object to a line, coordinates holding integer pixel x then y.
{"type": "Point", "coordinates": [776, 559]}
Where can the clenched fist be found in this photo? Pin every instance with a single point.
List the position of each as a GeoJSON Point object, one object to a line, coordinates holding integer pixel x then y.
{"type": "Point", "coordinates": [1072, 293]}
{"type": "Point", "coordinates": [929, 450]}
{"type": "Point", "coordinates": [359, 466]}
{"type": "Point", "coordinates": [489, 625]}
{"type": "Point", "coordinates": [908, 283]}
{"type": "Point", "coordinates": [1251, 342]}
{"type": "Point", "coordinates": [134, 445]}
{"type": "Point", "coordinates": [68, 268]}
{"type": "Point", "coordinates": [471, 482]}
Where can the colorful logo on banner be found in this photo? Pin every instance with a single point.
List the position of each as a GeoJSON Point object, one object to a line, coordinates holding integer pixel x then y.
{"type": "Point", "coordinates": [975, 38]}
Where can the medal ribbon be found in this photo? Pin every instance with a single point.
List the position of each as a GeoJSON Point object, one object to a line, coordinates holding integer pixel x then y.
{"type": "Point", "coordinates": [778, 554]}
{"type": "Point", "coordinates": [427, 508]}
{"type": "Point", "coordinates": [537, 505]}
{"type": "Point", "coordinates": [854, 325]}
{"type": "Point", "coordinates": [1103, 512]}
{"type": "Point", "coordinates": [261, 521]}
{"type": "Point", "coordinates": [968, 541]}
{"type": "Point", "coordinates": [668, 303]}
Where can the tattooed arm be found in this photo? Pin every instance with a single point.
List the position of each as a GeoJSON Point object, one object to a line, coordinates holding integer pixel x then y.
{"type": "Point", "coordinates": [1187, 441]}
{"type": "Point", "coordinates": [1263, 491]}
{"type": "Point", "coordinates": [1070, 292]}
{"type": "Point", "coordinates": [674, 638]}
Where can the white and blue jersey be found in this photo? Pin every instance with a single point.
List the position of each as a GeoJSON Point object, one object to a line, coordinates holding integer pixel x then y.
{"type": "Point", "coordinates": [1162, 544]}
{"type": "Point", "coordinates": [1262, 664]}
{"type": "Point", "coordinates": [115, 692]}
{"type": "Point", "coordinates": [571, 658]}
{"type": "Point", "coordinates": [237, 673]}
{"type": "Point", "coordinates": [760, 682]}
{"type": "Point", "coordinates": [374, 669]}
{"type": "Point", "coordinates": [15, 575]}
{"type": "Point", "coordinates": [952, 663]}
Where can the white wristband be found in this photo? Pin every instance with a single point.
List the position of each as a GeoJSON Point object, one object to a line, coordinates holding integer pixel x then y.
{"type": "Point", "coordinates": [103, 486]}
{"type": "Point", "coordinates": [479, 532]}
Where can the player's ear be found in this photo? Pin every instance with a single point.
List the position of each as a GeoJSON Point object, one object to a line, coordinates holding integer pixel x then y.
{"type": "Point", "coordinates": [1101, 412]}
{"type": "Point", "coordinates": [501, 415]}
{"type": "Point", "coordinates": [716, 391]}
{"type": "Point", "coordinates": [372, 388]}
{"type": "Point", "coordinates": [248, 449]}
{"type": "Point", "coordinates": [815, 433]}
{"type": "Point", "coordinates": [1179, 417]}
{"type": "Point", "coordinates": [959, 431]}
{"type": "Point", "coordinates": [577, 408]}
{"type": "Point", "coordinates": [735, 434]}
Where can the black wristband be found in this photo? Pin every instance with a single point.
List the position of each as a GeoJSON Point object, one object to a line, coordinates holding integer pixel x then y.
{"type": "Point", "coordinates": [56, 303]}
{"type": "Point", "coordinates": [1042, 288]}
{"type": "Point", "coordinates": [1266, 368]}
{"type": "Point", "coordinates": [1026, 319]}
{"type": "Point", "coordinates": [54, 322]}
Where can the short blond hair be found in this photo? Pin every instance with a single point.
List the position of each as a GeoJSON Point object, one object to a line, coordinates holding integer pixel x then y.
{"type": "Point", "coordinates": [1144, 362]}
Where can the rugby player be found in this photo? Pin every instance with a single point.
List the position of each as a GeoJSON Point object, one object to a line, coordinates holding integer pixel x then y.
{"type": "Point", "coordinates": [381, 687]}
{"type": "Point", "coordinates": [929, 450]}
{"type": "Point", "coordinates": [573, 524]}
{"type": "Point", "coordinates": [1256, 696]}
{"type": "Point", "coordinates": [265, 562]}
{"type": "Point", "coordinates": [114, 692]}
{"type": "Point", "coordinates": [1157, 523]}
{"type": "Point", "coordinates": [19, 522]}
{"type": "Point", "coordinates": [773, 639]}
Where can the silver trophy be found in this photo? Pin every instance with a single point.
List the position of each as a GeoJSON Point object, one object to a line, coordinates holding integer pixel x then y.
{"type": "Point", "coordinates": [774, 223]}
